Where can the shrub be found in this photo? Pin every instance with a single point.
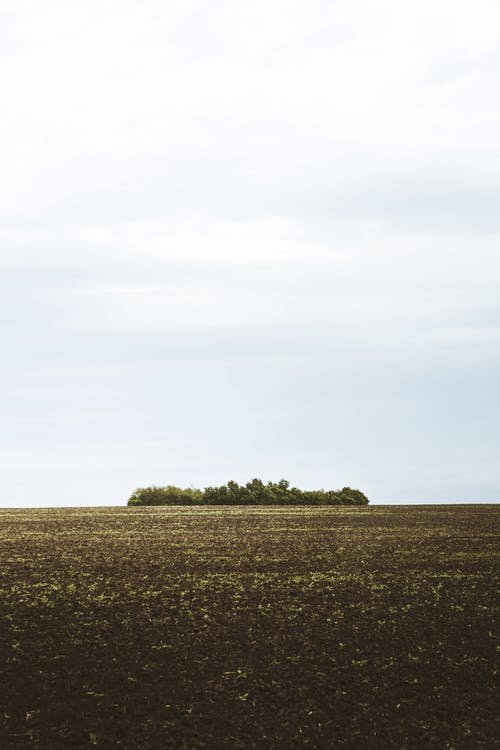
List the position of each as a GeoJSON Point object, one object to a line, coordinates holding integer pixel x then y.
{"type": "Point", "coordinates": [254, 492]}
{"type": "Point", "coordinates": [169, 495]}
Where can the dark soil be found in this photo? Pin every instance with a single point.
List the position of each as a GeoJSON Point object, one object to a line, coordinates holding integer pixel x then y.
{"type": "Point", "coordinates": [226, 628]}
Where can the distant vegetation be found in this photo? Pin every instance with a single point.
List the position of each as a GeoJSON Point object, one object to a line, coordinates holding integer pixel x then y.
{"type": "Point", "coordinates": [254, 492]}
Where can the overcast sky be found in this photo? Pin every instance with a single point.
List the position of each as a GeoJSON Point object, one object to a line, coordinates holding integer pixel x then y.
{"type": "Point", "coordinates": [246, 239]}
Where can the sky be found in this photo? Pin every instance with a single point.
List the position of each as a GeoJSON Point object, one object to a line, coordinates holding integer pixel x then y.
{"type": "Point", "coordinates": [245, 239]}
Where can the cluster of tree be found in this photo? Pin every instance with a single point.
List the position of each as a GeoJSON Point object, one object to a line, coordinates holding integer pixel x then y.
{"type": "Point", "coordinates": [254, 492]}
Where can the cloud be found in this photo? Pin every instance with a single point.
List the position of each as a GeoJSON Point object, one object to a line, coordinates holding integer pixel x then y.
{"type": "Point", "coordinates": [243, 238]}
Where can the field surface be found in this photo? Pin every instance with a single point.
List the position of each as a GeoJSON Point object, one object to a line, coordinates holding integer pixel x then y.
{"type": "Point", "coordinates": [226, 628]}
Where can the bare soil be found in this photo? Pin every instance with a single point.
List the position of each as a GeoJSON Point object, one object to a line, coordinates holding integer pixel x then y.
{"type": "Point", "coordinates": [263, 628]}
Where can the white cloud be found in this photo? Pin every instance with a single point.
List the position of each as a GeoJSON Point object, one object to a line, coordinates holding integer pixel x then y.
{"type": "Point", "coordinates": [232, 218]}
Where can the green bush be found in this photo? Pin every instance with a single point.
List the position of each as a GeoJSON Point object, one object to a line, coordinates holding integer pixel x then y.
{"type": "Point", "coordinates": [169, 495]}
{"type": "Point", "coordinates": [254, 492]}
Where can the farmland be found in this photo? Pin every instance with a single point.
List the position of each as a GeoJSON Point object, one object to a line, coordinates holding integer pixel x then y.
{"type": "Point", "coordinates": [225, 628]}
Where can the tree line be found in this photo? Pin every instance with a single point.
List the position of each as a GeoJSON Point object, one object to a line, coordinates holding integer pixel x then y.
{"type": "Point", "coordinates": [255, 492]}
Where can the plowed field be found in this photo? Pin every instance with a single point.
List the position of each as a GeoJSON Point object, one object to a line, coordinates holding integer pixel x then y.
{"type": "Point", "coordinates": [226, 628]}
